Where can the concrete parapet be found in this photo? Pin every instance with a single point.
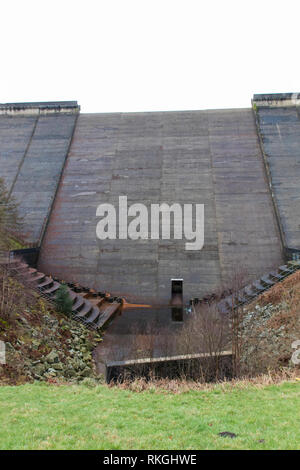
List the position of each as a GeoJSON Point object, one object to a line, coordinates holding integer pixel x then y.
{"type": "Point", "coordinates": [39, 108]}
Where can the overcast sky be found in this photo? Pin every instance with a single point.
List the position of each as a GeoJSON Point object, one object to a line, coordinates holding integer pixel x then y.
{"type": "Point", "coordinates": [148, 55]}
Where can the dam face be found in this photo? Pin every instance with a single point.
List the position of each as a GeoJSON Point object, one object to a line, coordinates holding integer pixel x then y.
{"type": "Point", "coordinates": [206, 157]}
{"type": "Point", "coordinates": [242, 164]}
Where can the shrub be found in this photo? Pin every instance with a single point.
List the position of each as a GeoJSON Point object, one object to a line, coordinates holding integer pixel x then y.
{"type": "Point", "coordinates": [63, 300]}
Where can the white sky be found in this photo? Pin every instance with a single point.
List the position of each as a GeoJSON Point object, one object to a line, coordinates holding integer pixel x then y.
{"type": "Point", "coordinates": [148, 55]}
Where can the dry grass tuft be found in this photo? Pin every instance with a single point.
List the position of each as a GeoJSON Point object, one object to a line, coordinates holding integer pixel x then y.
{"type": "Point", "coordinates": [183, 385]}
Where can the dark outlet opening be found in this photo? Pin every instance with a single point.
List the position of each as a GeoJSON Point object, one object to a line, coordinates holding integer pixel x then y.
{"type": "Point", "coordinates": [177, 300]}
{"type": "Point", "coordinates": [176, 287]}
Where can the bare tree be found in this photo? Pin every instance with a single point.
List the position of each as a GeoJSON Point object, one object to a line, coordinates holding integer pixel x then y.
{"type": "Point", "coordinates": [10, 221]}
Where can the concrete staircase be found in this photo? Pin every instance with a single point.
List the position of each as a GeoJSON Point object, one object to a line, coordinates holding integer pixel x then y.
{"type": "Point", "coordinates": [253, 290]}
{"type": "Point", "coordinates": [229, 301]}
{"type": "Point", "coordinates": [93, 309]}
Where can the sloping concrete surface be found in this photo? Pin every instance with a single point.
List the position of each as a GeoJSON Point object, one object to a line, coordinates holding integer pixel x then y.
{"type": "Point", "coordinates": [33, 149]}
{"type": "Point", "coordinates": [40, 172]}
{"type": "Point", "coordinates": [205, 157]}
{"type": "Point", "coordinates": [247, 229]}
{"type": "Point", "coordinates": [280, 131]}
{"type": "Point", "coordinates": [15, 134]}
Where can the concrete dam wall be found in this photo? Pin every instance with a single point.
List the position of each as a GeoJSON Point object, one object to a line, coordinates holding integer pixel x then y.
{"type": "Point", "coordinates": [208, 157]}
{"type": "Point", "coordinates": [34, 143]}
{"type": "Point", "coordinates": [61, 165]}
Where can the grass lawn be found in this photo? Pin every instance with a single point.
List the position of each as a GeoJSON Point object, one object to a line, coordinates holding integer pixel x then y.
{"type": "Point", "coordinates": [41, 416]}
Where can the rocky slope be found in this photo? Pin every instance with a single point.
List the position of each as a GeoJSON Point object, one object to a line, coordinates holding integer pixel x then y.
{"type": "Point", "coordinates": [269, 327]}
{"type": "Point", "coordinates": [41, 344]}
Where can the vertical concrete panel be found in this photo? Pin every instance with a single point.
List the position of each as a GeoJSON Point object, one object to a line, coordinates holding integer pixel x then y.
{"type": "Point", "coordinates": [248, 235]}
{"type": "Point", "coordinates": [15, 134]}
{"type": "Point", "coordinates": [40, 171]}
{"type": "Point", "coordinates": [280, 131]}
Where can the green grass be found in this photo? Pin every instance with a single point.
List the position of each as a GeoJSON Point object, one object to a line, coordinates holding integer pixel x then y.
{"type": "Point", "coordinates": [42, 416]}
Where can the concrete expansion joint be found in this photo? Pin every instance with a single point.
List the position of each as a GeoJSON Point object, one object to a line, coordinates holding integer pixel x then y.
{"type": "Point", "coordinates": [24, 156]}
{"type": "Point", "coordinates": [268, 176]}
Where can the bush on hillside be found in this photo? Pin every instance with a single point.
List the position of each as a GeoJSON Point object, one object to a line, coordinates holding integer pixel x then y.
{"type": "Point", "coordinates": [63, 300]}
